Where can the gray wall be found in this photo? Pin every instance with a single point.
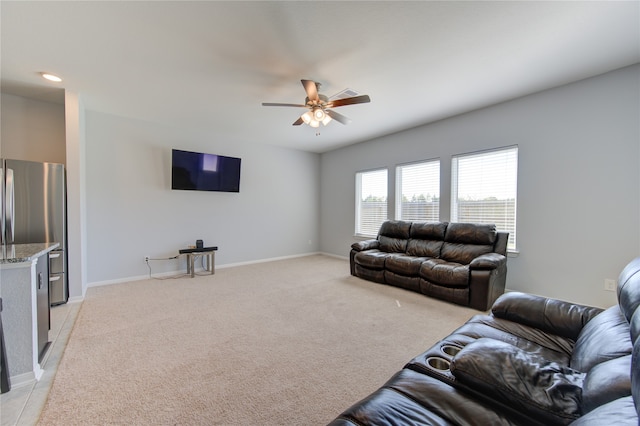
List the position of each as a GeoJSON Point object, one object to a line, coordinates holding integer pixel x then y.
{"type": "Point", "coordinates": [132, 212]}
{"type": "Point", "coordinates": [578, 217]}
{"type": "Point", "coordinates": [32, 130]}
{"type": "Point", "coordinates": [578, 206]}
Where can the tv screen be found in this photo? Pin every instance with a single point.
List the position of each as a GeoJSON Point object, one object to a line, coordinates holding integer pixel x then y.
{"type": "Point", "coordinates": [197, 171]}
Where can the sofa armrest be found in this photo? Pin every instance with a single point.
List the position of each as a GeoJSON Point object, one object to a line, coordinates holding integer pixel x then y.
{"type": "Point", "coordinates": [487, 261]}
{"type": "Point", "coordinates": [365, 245]}
{"type": "Point", "coordinates": [562, 318]}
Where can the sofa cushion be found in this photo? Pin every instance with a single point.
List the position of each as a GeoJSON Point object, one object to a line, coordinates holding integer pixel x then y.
{"type": "Point", "coordinates": [526, 382]}
{"type": "Point", "coordinates": [629, 288]}
{"type": "Point", "coordinates": [635, 326]}
{"type": "Point", "coordinates": [550, 346]}
{"type": "Point", "coordinates": [424, 248]}
{"type": "Point", "coordinates": [428, 230]}
{"type": "Point", "coordinates": [395, 229]}
{"type": "Point", "coordinates": [375, 275]}
{"type": "Point", "coordinates": [471, 233]}
{"type": "Point", "coordinates": [635, 373]}
{"type": "Point", "coordinates": [463, 253]}
{"type": "Point", "coordinates": [606, 382]}
{"type": "Point", "coordinates": [388, 407]}
{"type": "Point", "coordinates": [550, 315]}
{"type": "Point", "coordinates": [426, 238]}
{"type": "Point", "coordinates": [620, 412]}
{"type": "Point", "coordinates": [393, 236]}
{"type": "Point", "coordinates": [605, 337]}
{"type": "Point", "coordinates": [404, 265]}
{"type": "Point", "coordinates": [450, 274]}
{"type": "Point", "coordinates": [465, 241]}
{"type": "Point", "coordinates": [392, 245]}
{"type": "Point", "coordinates": [459, 295]}
{"type": "Point", "coordinates": [402, 281]}
{"type": "Point", "coordinates": [455, 405]}
{"type": "Point", "coordinates": [373, 259]}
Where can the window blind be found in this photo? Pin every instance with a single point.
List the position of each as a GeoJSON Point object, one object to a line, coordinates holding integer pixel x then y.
{"type": "Point", "coordinates": [418, 191]}
{"type": "Point", "coordinates": [484, 189]}
{"type": "Point", "coordinates": [371, 201]}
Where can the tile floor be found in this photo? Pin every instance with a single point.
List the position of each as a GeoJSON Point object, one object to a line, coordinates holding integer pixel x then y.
{"type": "Point", "coordinates": [22, 405]}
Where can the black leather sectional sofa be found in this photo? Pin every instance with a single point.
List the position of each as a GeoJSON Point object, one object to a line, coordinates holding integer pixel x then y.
{"type": "Point", "coordinates": [463, 263]}
{"type": "Point", "coordinates": [530, 361]}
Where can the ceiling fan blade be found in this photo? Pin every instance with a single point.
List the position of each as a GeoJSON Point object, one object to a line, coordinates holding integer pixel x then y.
{"type": "Point", "coordinates": [298, 122]}
{"type": "Point", "coordinates": [362, 99]}
{"type": "Point", "coordinates": [311, 89]}
{"type": "Point", "coordinates": [285, 105]}
{"type": "Point", "coordinates": [338, 117]}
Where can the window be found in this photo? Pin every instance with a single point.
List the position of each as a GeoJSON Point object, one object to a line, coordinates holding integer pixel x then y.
{"type": "Point", "coordinates": [418, 191]}
{"type": "Point", "coordinates": [484, 189]}
{"type": "Point", "coordinates": [371, 201]}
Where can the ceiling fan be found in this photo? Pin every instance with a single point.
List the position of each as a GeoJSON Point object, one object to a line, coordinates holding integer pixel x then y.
{"type": "Point", "coordinates": [319, 106]}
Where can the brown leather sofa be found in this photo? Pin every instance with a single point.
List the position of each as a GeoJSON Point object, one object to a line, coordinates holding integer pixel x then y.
{"type": "Point", "coordinates": [463, 263]}
{"type": "Point", "coordinates": [531, 361]}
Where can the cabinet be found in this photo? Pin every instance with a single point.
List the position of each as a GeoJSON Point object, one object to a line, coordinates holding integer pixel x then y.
{"type": "Point", "coordinates": [24, 287]}
{"type": "Point", "coordinates": [42, 303]}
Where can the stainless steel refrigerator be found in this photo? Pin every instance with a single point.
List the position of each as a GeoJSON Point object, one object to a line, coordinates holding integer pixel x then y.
{"type": "Point", "coordinates": [34, 210]}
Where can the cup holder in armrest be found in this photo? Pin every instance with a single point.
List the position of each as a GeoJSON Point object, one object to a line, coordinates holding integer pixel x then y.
{"type": "Point", "coordinates": [438, 363]}
{"type": "Point", "coordinates": [450, 350]}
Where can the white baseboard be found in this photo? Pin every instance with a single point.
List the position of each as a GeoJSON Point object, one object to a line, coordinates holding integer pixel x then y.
{"type": "Point", "coordinates": [337, 256]}
{"type": "Point", "coordinates": [25, 379]}
{"type": "Point", "coordinates": [271, 259]}
{"type": "Point", "coordinates": [178, 272]}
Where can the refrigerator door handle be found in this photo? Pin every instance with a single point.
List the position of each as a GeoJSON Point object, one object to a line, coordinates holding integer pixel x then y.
{"type": "Point", "coordinates": [3, 236]}
{"type": "Point", "coordinates": [10, 206]}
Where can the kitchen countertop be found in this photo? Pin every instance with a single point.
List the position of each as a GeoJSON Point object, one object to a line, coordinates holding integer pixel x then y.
{"type": "Point", "coordinates": [18, 253]}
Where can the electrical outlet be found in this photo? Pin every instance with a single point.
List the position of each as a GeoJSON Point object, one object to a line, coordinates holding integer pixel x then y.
{"type": "Point", "coordinates": [609, 284]}
{"type": "Point", "coordinates": [146, 258]}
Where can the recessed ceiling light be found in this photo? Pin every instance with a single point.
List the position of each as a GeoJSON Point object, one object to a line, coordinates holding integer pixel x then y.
{"type": "Point", "coordinates": [51, 77]}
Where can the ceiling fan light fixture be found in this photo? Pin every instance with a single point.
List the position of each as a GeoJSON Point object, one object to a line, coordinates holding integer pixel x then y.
{"type": "Point", "coordinates": [320, 108]}
{"type": "Point", "coordinates": [307, 117]}
{"type": "Point", "coordinates": [314, 117]}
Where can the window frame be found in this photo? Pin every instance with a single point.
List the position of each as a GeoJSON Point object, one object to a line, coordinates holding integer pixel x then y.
{"type": "Point", "coordinates": [508, 188]}
{"type": "Point", "coordinates": [360, 230]}
{"type": "Point", "coordinates": [400, 193]}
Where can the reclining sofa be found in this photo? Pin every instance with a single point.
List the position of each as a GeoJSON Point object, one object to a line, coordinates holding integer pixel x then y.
{"type": "Point", "coordinates": [463, 263]}
{"type": "Point", "coordinates": [530, 361]}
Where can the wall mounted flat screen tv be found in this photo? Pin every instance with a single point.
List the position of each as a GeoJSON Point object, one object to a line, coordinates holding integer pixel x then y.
{"type": "Point", "coordinates": [198, 171]}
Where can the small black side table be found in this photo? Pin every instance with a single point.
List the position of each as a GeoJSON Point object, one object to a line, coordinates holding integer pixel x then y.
{"type": "Point", "coordinates": [208, 253]}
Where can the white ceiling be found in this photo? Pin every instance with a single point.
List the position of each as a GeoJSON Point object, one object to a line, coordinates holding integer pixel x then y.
{"type": "Point", "coordinates": [209, 65]}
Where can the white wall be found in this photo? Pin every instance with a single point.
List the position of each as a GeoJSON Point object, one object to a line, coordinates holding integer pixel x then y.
{"type": "Point", "coordinates": [35, 130]}
{"type": "Point", "coordinates": [32, 130]}
{"type": "Point", "coordinates": [132, 212]}
{"type": "Point", "coordinates": [578, 181]}
{"type": "Point", "coordinates": [76, 195]}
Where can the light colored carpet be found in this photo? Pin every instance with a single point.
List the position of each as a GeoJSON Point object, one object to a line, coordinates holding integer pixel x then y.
{"type": "Point", "coordinates": [287, 342]}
